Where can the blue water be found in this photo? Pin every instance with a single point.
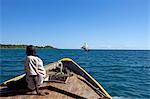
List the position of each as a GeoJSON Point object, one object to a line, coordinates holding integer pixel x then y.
{"type": "Point", "coordinates": [125, 74]}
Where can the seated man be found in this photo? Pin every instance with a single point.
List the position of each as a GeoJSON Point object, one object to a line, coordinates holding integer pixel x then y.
{"type": "Point", "coordinates": [35, 72]}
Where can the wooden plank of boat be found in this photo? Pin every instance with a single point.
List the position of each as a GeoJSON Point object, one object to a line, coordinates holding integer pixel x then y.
{"type": "Point", "coordinates": [72, 81]}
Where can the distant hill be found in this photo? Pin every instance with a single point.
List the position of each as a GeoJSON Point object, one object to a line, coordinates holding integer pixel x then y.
{"type": "Point", "coordinates": [23, 46]}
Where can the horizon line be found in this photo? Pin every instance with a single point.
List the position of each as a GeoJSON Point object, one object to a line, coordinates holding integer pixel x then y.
{"type": "Point", "coordinates": [80, 48]}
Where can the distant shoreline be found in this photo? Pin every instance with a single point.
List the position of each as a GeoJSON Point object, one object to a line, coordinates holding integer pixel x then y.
{"type": "Point", "coordinates": [13, 46]}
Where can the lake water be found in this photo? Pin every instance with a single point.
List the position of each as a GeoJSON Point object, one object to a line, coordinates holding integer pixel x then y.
{"type": "Point", "coordinates": [125, 74]}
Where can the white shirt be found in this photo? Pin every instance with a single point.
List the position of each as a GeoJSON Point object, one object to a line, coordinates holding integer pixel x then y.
{"type": "Point", "coordinates": [34, 66]}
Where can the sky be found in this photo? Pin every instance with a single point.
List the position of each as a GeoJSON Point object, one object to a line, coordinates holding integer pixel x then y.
{"type": "Point", "coordinates": [67, 24]}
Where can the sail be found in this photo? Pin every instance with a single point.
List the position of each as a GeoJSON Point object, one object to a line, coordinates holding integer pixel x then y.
{"type": "Point", "coordinates": [85, 46]}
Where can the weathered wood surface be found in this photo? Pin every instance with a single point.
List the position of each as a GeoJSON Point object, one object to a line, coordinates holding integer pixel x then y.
{"type": "Point", "coordinates": [74, 88]}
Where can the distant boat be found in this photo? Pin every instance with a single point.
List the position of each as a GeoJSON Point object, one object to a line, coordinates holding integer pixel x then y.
{"type": "Point", "coordinates": [85, 47]}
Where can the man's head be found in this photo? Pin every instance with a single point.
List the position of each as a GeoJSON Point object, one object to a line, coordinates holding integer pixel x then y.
{"type": "Point", "coordinates": [30, 50]}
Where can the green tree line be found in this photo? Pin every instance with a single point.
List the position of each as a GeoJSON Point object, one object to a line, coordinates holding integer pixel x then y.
{"type": "Point", "coordinates": [22, 46]}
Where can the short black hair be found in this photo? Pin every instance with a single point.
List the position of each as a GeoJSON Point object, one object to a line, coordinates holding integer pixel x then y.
{"type": "Point", "coordinates": [31, 50]}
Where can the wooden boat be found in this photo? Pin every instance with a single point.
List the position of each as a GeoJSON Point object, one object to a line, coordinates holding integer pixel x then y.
{"type": "Point", "coordinates": [65, 80]}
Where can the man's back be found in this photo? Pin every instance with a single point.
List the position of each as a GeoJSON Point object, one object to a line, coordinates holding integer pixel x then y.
{"type": "Point", "coordinates": [34, 67]}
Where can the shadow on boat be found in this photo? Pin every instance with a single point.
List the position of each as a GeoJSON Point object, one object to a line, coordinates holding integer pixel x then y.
{"type": "Point", "coordinates": [6, 92]}
{"type": "Point", "coordinates": [65, 92]}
